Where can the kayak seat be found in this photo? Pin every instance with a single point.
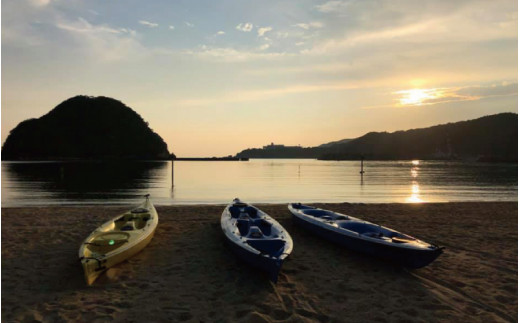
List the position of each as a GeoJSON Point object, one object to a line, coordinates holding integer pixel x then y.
{"type": "Point", "coordinates": [128, 226]}
{"type": "Point", "coordinates": [253, 213]}
{"type": "Point", "coordinates": [264, 226]}
{"type": "Point", "coordinates": [319, 213]}
{"type": "Point", "coordinates": [235, 212]}
{"type": "Point", "coordinates": [243, 226]}
{"type": "Point", "coordinates": [140, 210]}
{"type": "Point", "coordinates": [255, 232]}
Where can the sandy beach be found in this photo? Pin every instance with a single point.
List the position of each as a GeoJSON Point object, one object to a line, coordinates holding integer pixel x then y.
{"type": "Point", "coordinates": [187, 273]}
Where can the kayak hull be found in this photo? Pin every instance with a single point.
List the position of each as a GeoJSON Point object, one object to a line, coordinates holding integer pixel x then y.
{"type": "Point", "coordinates": [396, 253]}
{"type": "Point", "coordinates": [117, 240]}
{"type": "Point", "coordinates": [269, 265]}
{"type": "Point", "coordinates": [256, 238]}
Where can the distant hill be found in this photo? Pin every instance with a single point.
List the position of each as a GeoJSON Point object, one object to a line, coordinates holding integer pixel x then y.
{"type": "Point", "coordinates": [332, 143]}
{"type": "Point", "coordinates": [85, 127]}
{"type": "Point", "coordinates": [490, 138]}
{"type": "Point", "coordinates": [280, 151]}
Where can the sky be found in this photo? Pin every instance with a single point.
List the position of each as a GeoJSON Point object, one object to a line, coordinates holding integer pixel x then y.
{"type": "Point", "coordinates": [215, 77]}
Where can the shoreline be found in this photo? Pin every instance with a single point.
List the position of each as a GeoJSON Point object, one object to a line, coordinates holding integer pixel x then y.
{"type": "Point", "coordinates": [188, 274]}
{"type": "Point", "coordinates": [223, 204]}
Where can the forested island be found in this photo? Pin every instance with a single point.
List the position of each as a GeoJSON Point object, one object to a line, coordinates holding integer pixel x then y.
{"type": "Point", "coordinates": [85, 127]}
{"type": "Point", "coordinates": [490, 138]}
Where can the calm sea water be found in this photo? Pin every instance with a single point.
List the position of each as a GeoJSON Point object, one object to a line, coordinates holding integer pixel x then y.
{"type": "Point", "coordinates": [256, 181]}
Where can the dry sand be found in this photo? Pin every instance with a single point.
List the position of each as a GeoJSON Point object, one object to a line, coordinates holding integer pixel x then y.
{"type": "Point", "coordinates": [188, 274]}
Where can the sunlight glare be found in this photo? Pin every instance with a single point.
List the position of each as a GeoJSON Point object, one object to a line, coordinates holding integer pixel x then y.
{"type": "Point", "coordinates": [418, 96]}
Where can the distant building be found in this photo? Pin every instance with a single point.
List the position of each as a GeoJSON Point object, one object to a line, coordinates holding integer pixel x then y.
{"type": "Point", "coordinates": [272, 146]}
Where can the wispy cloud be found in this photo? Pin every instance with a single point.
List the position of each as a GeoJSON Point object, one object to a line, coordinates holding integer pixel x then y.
{"type": "Point", "coordinates": [420, 97]}
{"type": "Point", "coordinates": [171, 27]}
{"type": "Point", "coordinates": [228, 54]}
{"type": "Point", "coordinates": [148, 24]}
{"type": "Point", "coordinates": [40, 3]}
{"type": "Point", "coordinates": [332, 6]}
{"type": "Point", "coordinates": [219, 33]}
{"type": "Point", "coordinates": [189, 24]}
{"type": "Point", "coordinates": [261, 31]}
{"type": "Point", "coordinates": [282, 35]}
{"type": "Point", "coordinates": [246, 27]}
{"type": "Point", "coordinates": [83, 26]}
{"type": "Point", "coordinates": [307, 26]}
{"type": "Point", "coordinates": [102, 41]}
{"type": "Point", "coordinates": [265, 94]}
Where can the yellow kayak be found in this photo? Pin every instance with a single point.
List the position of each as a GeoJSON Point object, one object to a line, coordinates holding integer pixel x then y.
{"type": "Point", "coordinates": [118, 239]}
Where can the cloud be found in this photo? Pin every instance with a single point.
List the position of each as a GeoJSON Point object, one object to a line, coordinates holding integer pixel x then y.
{"type": "Point", "coordinates": [83, 26]}
{"type": "Point", "coordinates": [246, 27]}
{"type": "Point", "coordinates": [265, 94]}
{"type": "Point", "coordinates": [40, 3]}
{"type": "Point", "coordinates": [226, 54]}
{"type": "Point", "coordinates": [189, 24]}
{"type": "Point", "coordinates": [264, 47]}
{"type": "Point", "coordinates": [221, 32]}
{"type": "Point", "coordinates": [332, 6]}
{"type": "Point", "coordinates": [148, 24]}
{"type": "Point", "coordinates": [314, 24]}
{"type": "Point", "coordinates": [488, 91]}
{"type": "Point", "coordinates": [263, 30]}
{"type": "Point", "coordinates": [102, 41]}
{"type": "Point", "coordinates": [420, 97]}
{"type": "Point", "coordinates": [371, 23]}
{"type": "Point", "coordinates": [171, 27]}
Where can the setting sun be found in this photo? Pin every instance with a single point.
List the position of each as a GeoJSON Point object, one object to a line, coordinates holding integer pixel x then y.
{"type": "Point", "coordinates": [417, 96]}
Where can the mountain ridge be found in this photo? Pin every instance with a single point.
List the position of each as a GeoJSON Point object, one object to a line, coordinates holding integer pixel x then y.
{"type": "Point", "coordinates": [488, 138]}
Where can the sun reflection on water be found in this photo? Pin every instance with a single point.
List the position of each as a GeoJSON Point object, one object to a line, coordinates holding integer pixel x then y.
{"type": "Point", "coordinates": [415, 197]}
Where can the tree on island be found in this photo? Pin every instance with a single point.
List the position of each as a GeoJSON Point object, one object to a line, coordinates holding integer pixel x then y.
{"type": "Point", "coordinates": [85, 127]}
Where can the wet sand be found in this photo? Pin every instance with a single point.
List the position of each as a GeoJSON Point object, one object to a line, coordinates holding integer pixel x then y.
{"type": "Point", "coordinates": [187, 273]}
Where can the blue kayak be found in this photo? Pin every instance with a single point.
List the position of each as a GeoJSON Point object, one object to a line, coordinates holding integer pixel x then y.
{"type": "Point", "coordinates": [255, 237]}
{"type": "Point", "coordinates": [365, 237]}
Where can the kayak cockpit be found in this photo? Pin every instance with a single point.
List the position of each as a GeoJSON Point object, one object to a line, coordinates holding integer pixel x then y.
{"type": "Point", "coordinates": [106, 242]}
{"type": "Point", "coordinates": [374, 231]}
{"type": "Point", "coordinates": [237, 212]}
{"type": "Point", "coordinates": [255, 228]}
{"type": "Point", "coordinates": [132, 221]}
{"type": "Point", "coordinates": [324, 214]}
